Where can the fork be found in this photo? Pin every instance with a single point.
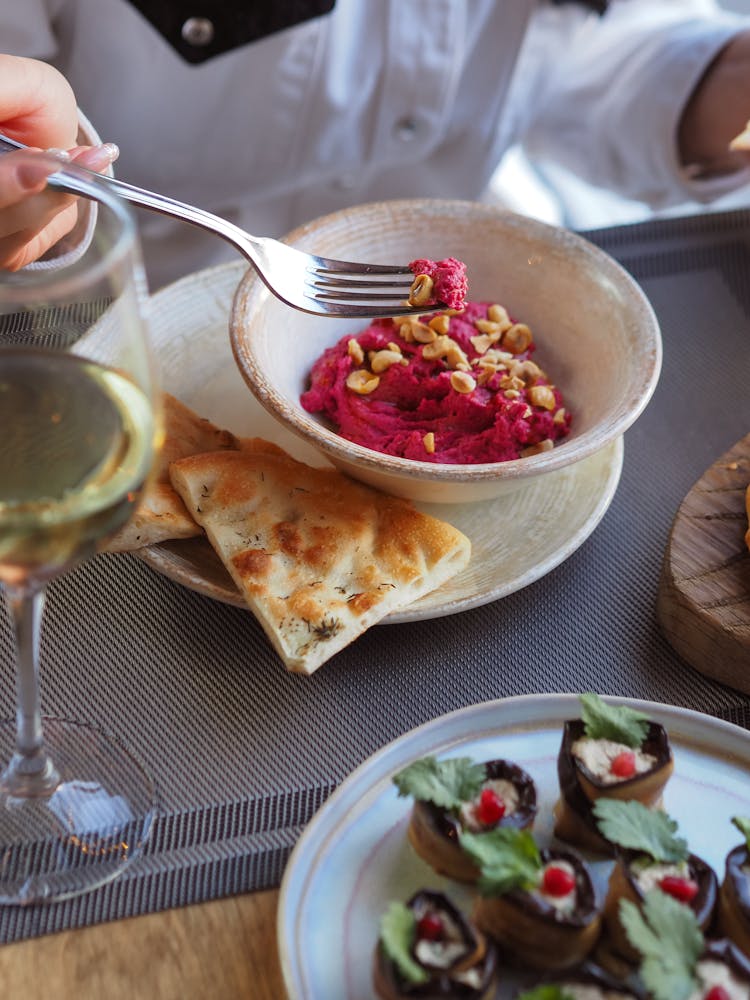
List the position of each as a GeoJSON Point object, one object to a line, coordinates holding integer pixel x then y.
{"type": "Point", "coordinates": [319, 285]}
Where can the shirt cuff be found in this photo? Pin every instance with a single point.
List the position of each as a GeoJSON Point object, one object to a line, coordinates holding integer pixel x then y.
{"type": "Point", "coordinates": [74, 244]}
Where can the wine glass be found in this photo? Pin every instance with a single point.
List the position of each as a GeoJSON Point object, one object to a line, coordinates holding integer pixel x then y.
{"type": "Point", "coordinates": [79, 429]}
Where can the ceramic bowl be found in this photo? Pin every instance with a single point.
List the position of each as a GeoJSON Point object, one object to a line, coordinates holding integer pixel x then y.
{"type": "Point", "coordinates": [595, 331]}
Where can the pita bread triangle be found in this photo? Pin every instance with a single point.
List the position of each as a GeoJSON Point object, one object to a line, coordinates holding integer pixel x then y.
{"type": "Point", "coordinates": [161, 514]}
{"type": "Point", "coordinates": [318, 557]}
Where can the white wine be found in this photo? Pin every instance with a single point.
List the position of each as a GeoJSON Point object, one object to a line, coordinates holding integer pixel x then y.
{"type": "Point", "coordinates": [76, 445]}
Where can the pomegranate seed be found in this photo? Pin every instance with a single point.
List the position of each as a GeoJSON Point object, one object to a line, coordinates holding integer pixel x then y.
{"type": "Point", "coordinates": [683, 889]}
{"type": "Point", "coordinates": [491, 808]}
{"type": "Point", "coordinates": [557, 881]}
{"type": "Point", "coordinates": [430, 926]}
{"type": "Point", "coordinates": [623, 765]}
{"type": "Point", "coordinates": [717, 993]}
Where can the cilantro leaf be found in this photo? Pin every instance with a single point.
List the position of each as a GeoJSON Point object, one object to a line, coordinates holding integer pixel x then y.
{"type": "Point", "coordinates": [667, 935]}
{"type": "Point", "coordinates": [612, 722]}
{"type": "Point", "coordinates": [631, 824]}
{"type": "Point", "coordinates": [507, 859]}
{"type": "Point", "coordinates": [549, 991]}
{"type": "Point", "coordinates": [397, 932]}
{"type": "Point", "coordinates": [743, 825]}
{"type": "Point", "coordinates": [446, 783]}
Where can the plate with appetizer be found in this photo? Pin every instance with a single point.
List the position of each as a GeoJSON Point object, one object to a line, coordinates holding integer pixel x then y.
{"type": "Point", "coordinates": [544, 847]}
{"type": "Point", "coordinates": [515, 539]}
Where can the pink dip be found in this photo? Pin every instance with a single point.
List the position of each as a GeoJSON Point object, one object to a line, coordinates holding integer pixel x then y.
{"type": "Point", "coordinates": [450, 284]}
{"type": "Point", "coordinates": [431, 410]}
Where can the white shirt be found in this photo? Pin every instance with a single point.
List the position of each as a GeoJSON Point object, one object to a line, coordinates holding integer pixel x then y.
{"type": "Point", "coordinates": [378, 99]}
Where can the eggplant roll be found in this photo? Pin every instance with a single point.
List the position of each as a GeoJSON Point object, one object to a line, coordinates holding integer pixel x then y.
{"type": "Point", "coordinates": [535, 931]}
{"type": "Point", "coordinates": [434, 832]}
{"type": "Point", "coordinates": [631, 881]}
{"type": "Point", "coordinates": [458, 960]}
{"type": "Point", "coordinates": [734, 899]}
{"type": "Point", "coordinates": [580, 786]}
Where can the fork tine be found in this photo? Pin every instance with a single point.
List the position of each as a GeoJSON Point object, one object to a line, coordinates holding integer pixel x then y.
{"type": "Point", "coordinates": [326, 265]}
{"type": "Point", "coordinates": [365, 280]}
{"type": "Point", "coordinates": [355, 285]}
{"type": "Point", "coordinates": [363, 297]}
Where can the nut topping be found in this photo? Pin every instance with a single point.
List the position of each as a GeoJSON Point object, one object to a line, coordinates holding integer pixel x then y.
{"type": "Point", "coordinates": [542, 395]}
{"type": "Point", "coordinates": [355, 352]}
{"type": "Point", "coordinates": [381, 361]}
{"type": "Point", "coordinates": [447, 349]}
{"type": "Point", "coordinates": [499, 314]}
{"type": "Point", "coordinates": [462, 382]}
{"type": "Point", "coordinates": [481, 343]}
{"type": "Point", "coordinates": [536, 449]}
{"type": "Point", "coordinates": [429, 442]}
{"type": "Point", "coordinates": [362, 382]}
{"type": "Point", "coordinates": [420, 292]}
{"type": "Point", "coordinates": [440, 324]}
{"type": "Point", "coordinates": [517, 338]}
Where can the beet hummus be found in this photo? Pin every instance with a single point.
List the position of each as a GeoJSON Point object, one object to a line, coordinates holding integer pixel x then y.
{"type": "Point", "coordinates": [456, 388]}
{"type": "Point", "coordinates": [438, 283]}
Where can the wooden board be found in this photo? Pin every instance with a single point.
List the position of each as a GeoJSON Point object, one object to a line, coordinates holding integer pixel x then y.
{"type": "Point", "coordinates": [704, 592]}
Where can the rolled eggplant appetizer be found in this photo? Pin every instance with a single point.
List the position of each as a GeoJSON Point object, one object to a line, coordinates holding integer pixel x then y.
{"type": "Point", "coordinates": [456, 795]}
{"type": "Point", "coordinates": [734, 895]}
{"type": "Point", "coordinates": [428, 949]}
{"type": "Point", "coordinates": [676, 960]}
{"type": "Point", "coordinates": [588, 982]}
{"type": "Point", "coordinates": [650, 856]}
{"type": "Point", "coordinates": [612, 751]}
{"type": "Point", "coordinates": [539, 906]}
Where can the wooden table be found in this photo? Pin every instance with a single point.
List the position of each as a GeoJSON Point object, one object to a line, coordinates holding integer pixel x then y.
{"type": "Point", "coordinates": [220, 950]}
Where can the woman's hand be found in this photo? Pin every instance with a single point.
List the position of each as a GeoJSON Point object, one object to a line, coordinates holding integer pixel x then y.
{"type": "Point", "coordinates": [38, 108]}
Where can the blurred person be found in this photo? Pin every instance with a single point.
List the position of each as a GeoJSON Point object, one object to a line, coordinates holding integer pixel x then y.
{"type": "Point", "coordinates": [272, 112]}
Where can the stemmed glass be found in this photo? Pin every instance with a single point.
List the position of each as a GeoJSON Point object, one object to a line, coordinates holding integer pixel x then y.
{"type": "Point", "coordinates": [79, 427]}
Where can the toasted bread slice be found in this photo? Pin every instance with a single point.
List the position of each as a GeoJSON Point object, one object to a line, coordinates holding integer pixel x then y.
{"type": "Point", "coordinates": [318, 557]}
{"type": "Point", "coordinates": [161, 514]}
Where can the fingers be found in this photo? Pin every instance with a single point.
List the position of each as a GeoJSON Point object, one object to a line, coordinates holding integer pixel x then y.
{"type": "Point", "coordinates": [20, 176]}
{"type": "Point", "coordinates": [32, 217]}
{"type": "Point", "coordinates": [95, 157]}
{"type": "Point", "coordinates": [37, 104]}
{"type": "Point", "coordinates": [22, 248]}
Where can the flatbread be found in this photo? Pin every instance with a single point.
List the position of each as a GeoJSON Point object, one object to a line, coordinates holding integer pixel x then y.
{"type": "Point", "coordinates": [161, 514]}
{"type": "Point", "coordinates": [318, 557]}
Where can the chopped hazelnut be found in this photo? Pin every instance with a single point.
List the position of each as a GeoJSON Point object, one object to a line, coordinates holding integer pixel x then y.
{"type": "Point", "coordinates": [542, 395]}
{"type": "Point", "coordinates": [362, 382]}
{"type": "Point", "coordinates": [462, 382]}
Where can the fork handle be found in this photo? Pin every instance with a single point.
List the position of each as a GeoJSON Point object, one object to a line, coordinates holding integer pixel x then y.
{"type": "Point", "coordinates": [78, 180]}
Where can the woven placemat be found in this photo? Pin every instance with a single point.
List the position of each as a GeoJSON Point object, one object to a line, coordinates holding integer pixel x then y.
{"type": "Point", "coordinates": [245, 753]}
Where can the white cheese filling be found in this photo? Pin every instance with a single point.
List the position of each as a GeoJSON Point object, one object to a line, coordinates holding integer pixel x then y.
{"type": "Point", "coordinates": [504, 790]}
{"type": "Point", "coordinates": [441, 954]}
{"type": "Point", "coordinates": [597, 756]}
{"type": "Point", "coordinates": [648, 875]}
{"type": "Point", "coordinates": [563, 904]}
{"type": "Point", "coordinates": [711, 973]}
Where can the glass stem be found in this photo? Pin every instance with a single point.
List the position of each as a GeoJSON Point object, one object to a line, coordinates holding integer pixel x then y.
{"type": "Point", "coordinates": [30, 771]}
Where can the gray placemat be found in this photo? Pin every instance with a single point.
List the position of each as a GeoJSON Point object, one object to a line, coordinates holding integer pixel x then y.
{"type": "Point", "coordinates": [245, 753]}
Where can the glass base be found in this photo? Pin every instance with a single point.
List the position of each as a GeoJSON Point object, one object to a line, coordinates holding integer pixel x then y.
{"type": "Point", "coordinates": [86, 830]}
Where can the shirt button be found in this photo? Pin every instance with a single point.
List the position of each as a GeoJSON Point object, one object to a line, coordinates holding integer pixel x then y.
{"type": "Point", "coordinates": [198, 31]}
{"type": "Point", "coordinates": [406, 128]}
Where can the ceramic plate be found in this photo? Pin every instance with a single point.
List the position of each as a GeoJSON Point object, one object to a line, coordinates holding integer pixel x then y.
{"type": "Point", "coordinates": [515, 539]}
{"type": "Point", "coordinates": [354, 856]}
